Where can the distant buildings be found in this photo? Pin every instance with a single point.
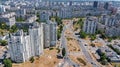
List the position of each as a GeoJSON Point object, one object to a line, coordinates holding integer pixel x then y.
{"type": "Point", "coordinates": [8, 18]}
{"type": "Point", "coordinates": [112, 31]}
{"type": "Point", "coordinates": [2, 9]}
{"type": "Point", "coordinates": [106, 6]}
{"type": "Point", "coordinates": [95, 4]}
{"type": "Point", "coordinates": [20, 12]}
{"type": "Point", "coordinates": [31, 18]}
{"type": "Point", "coordinates": [44, 16]}
{"type": "Point", "coordinates": [65, 13]}
{"type": "Point", "coordinates": [110, 25]}
{"type": "Point", "coordinates": [90, 25]}
{"type": "Point", "coordinates": [108, 20]}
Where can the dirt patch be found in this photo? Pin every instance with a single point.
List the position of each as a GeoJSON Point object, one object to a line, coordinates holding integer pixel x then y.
{"type": "Point", "coordinates": [80, 60]}
{"type": "Point", "coordinates": [48, 59]}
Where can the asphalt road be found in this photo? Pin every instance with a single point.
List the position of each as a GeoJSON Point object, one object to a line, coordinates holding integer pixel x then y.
{"type": "Point", "coordinates": [64, 45]}
{"type": "Point", "coordinates": [85, 52]}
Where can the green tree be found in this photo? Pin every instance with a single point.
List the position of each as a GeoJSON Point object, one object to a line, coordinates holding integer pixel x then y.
{"type": "Point", "coordinates": [109, 39]}
{"type": "Point", "coordinates": [32, 59]}
{"type": "Point", "coordinates": [58, 34]}
{"type": "Point", "coordinates": [7, 63]}
{"type": "Point", "coordinates": [103, 36]}
{"type": "Point", "coordinates": [80, 22]}
{"type": "Point", "coordinates": [93, 45]}
{"type": "Point", "coordinates": [25, 29]}
{"type": "Point", "coordinates": [20, 19]}
{"type": "Point", "coordinates": [93, 37]}
{"type": "Point", "coordinates": [63, 52]}
{"type": "Point", "coordinates": [13, 29]}
{"type": "Point", "coordinates": [3, 25]}
{"type": "Point", "coordinates": [83, 34]}
{"type": "Point", "coordinates": [38, 20]}
{"type": "Point", "coordinates": [3, 42]}
{"type": "Point", "coordinates": [58, 20]}
{"type": "Point", "coordinates": [104, 62]}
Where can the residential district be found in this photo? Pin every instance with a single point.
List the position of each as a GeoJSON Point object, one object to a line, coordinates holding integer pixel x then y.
{"type": "Point", "coordinates": [59, 33]}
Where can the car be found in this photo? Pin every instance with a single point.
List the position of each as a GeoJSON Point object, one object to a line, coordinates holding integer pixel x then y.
{"type": "Point", "coordinates": [6, 52]}
{"type": "Point", "coordinates": [85, 44]}
{"type": "Point", "coordinates": [91, 62]}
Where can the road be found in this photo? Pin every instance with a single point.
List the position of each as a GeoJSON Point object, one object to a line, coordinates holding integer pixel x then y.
{"type": "Point", "coordinates": [85, 52]}
{"type": "Point", "coordinates": [64, 45]}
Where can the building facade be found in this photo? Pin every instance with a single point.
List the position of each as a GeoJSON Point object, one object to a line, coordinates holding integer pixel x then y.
{"type": "Point", "coordinates": [44, 16]}
{"type": "Point", "coordinates": [19, 47]}
{"type": "Point", "coordinates": [90, 25]}
{"type": "Point", "coordinates": [8, 18]}
{"type": "Point", "coordinates": [49, 31]}
{"type": "Point", "coordinates": [22, 46]}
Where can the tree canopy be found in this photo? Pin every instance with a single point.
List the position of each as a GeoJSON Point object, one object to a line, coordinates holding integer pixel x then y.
{"type": "Point", "coordinates": [7, 63]}
{"type": "Point", "coordinates": [83, 34]}
{"type": "Point", "coordinates": [3, 42]}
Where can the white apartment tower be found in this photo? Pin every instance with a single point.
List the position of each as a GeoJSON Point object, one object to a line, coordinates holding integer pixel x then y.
{"type": "Point", "coordinates": [35, 40]}
{"type": "Point", "coordinates": [90, 25]}
{"type": "Point", "coordinates": [23, 46]}
{"type": "Point", "coordinates": [49, 31]}
{"type": "Point", "coordinates": [19, 45]}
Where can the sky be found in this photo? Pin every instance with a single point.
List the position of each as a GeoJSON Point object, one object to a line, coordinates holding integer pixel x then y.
{"type": "Point", "coordinates": [80, 0]}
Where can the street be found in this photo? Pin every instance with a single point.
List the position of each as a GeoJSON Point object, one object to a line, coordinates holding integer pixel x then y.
{"type": "Point", "coordinates": [64, 45]}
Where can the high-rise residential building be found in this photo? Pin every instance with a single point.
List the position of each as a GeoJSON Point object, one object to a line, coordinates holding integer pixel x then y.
{"type": "Point", "coordinates": [112, 31]}
{"type": "Point", "coordinates": [20, 12]}
{"type": "Point", "coordinates": [106, 6]}
{"type": "Point", "coordinates": [108, 20]}
{"type": "Point", "coordinates": [90, 25]}
{"type": "Point", "coordinates": [35, 40]}
{"type": "Point", "coordinates": [23, 46]}
{"type": "Point", "coordinates": [65, 12]}
{"type": "Point", "coordinates": [44, 16]}
{"type": "Point", "coordinates": [53, 33]}
{"type": "Point", "coordinates": [49, 31]}
{"type": "Point", "coordinates": [95, 4]}
{"type": "Point", "coordinates": [19, 46]}
{"type": "Point", "coordinates": [46, 32]}
{"type": "Point", "coordinates": [2, 9]}
{"type": "Point", "coordinates": [104, 19]}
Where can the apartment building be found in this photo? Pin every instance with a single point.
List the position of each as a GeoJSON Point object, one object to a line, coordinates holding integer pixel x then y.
{"type": "Point", "coordinates": [90, 25]}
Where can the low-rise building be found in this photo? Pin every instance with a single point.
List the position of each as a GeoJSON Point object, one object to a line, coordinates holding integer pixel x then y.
{"type": "Point", "coordinates": [31, 18]}
{"type": "Point", "coordinates": [8, 18]}
{"type": "Point", "coordinates": [112, 31]}
{"type": "Point", "coordinates": [113, 56]}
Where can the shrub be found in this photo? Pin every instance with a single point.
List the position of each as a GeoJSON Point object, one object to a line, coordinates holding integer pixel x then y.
{"type": "Point", "coordinates": [7, 63]}
{"type": "Point", "coordinates": [32, 59]}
